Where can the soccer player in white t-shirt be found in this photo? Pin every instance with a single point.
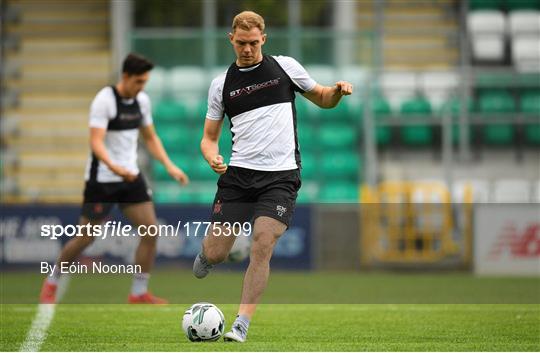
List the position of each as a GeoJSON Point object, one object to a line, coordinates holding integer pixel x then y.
{"type": "Point", "coordinates": [117, 115]}
{"type": "Point", "coordinates": [262, 180]}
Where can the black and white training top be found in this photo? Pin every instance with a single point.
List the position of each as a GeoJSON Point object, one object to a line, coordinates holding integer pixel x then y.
{"type": "Point", "coordinates": [259, 101]}
{"type": "Point", "coordinates": [122, 118]}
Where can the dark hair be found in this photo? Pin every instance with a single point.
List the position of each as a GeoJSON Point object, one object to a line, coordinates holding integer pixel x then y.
{"type": "Point", "coordinates": [135, 64]}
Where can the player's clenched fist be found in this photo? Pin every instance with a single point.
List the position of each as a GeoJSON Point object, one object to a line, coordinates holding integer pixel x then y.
{"type": "Point", "coordinates": [218, 165]}
{"type": "Point", "coordinates": [344, 88]}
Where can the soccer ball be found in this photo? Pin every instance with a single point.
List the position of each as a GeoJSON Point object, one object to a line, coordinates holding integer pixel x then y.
{"type": "Point", "coordinates": [240, 249]}
{"type": "Point", "coordinates": [203, 322]}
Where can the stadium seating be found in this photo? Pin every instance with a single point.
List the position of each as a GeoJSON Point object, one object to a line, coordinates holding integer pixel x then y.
{"type": "Point", "coordinates": [504, 5]}
{"type": "Point", "coordinates": [307, 137]}
{"type": "Point", "coordinates": [526, 53]}
{"type": "Point", "coordinates": [200, 170]}
{"type": "Point", "coordinates": [194, 193]}
{"type": "Point", "coordinates": [487, 29]}
{"type": "Point", "coordinates": [420, 134]}
{"type": "Point", "coordinates": [308, 192]}
{"type": "Point", "coordinates": [536, 192]}
{"type": "Point", "coordinates": [225, 143]}
{"type": "Point", "coordinates": [157, 86]}
{"type": "Point", "coordinates": [344, 111]}
{"type": "Point", "coordinates": [197, 111]}
{"type": "Point", "coordinates": [524, 30]}
{"type": "Point", "coordinates": [530, 104]}
{"type": "Point", "coordinates": [398, 87]}
{"type": "Point", "coordinates": [524, 22]}
{"type": "Point", "coordinates": [334, 136]}
{"type": "Point", "coordinates": [438, 86]}
{"type": "Point", "coordinates": [182, 160]}
{"type": "Point", "coordinates": [486, 4]}
{"type": "Point", "coordinates": [354, 74]}
{"type": "Point", "coordinates": [310, 166]}
{"type": "Point", "coordinates": [480, 190]}
{"type": "Point", "coordinates": [339, 192]}
{"type": "Point", "coordinates": [522, 5]}
{"type": "Point", "coordinates": [380, 108]}
{"type": "Point", "coordinates": [511, 190]}
{"type": "Point", "coordinates": [453, 106]}
{"type": "Point", "coordinates": [323, 74]}
{"type": "Point", "coordinates": [176, 137]}
{"type": "Point", "coordinates": [188, 81]}
{"type": "Point", "coordinates": [307, 111]}
{"type": "Point", "coordinates": [169, 110]}
{"type": "Point", "coordinates": [340, 165]}
{"type": "Point", "coordinates": [492, 102]}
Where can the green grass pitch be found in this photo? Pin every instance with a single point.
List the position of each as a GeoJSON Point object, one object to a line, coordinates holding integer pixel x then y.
{"type": "Point", "coordinates": [302, 311]}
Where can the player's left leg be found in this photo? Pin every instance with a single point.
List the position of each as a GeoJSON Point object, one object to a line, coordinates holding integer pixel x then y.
{"type": "Point", "coordinates": [266, 232]}
{"type": "Point", "coordinates": [143, 213]}
{"type": "Point", "coordinates": [273, 213]}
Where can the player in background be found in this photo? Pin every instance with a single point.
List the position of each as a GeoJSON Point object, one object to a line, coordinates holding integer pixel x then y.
{"type": "Point", "coordinates": [117, 115]}
{"type": "Point", "coordinates": [262, 180]}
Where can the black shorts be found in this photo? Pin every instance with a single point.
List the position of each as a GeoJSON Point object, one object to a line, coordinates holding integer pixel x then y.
{"type": "Point", "coordinates": [100, 198]}
{"type": "Point", "coordinates": [245, 194]}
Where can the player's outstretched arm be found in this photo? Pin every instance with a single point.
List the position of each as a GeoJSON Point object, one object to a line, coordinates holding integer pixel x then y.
{"type": "Point", "coordinates": [210, 145]}
{"type": "Point", "coordinates": [329, 97]}
{"type": "Point", "coordinates": [97, 144]}
{"type": "Point", "coordinates": [153, 142]}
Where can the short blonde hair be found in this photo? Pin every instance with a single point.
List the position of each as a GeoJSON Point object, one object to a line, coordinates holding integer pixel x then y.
{"type": "Point", "coordinates": [247, 20]}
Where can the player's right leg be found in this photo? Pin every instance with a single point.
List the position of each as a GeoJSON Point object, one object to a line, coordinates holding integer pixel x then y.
{"type": "Point", "coordinates": [215, 249]}
{"type": "Point", "coordinates": [98, 202]}
{"type": "Point", "coordinates": [69, 253]}
{"type": "Point", "coordinates": [231, 205]}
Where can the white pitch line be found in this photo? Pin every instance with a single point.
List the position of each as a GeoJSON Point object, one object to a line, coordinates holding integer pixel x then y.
{"type": "Point", "coordinates": [38, 331]}
{"type": "Point", "coordinates": [44, 316]}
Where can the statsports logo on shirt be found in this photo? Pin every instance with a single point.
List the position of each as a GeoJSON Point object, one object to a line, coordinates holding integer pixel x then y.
{"type": "Point", "coordinates": [252, 88]}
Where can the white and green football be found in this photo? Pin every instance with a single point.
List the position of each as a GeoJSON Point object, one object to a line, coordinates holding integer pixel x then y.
{"type": "Point", "coordinates": [203, 322]}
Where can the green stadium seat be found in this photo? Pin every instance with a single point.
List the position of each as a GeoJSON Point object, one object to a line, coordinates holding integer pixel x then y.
{"type": "Point", "coordinates": [308, 192]}
{"type": "Point", "coordinates": [337, 136]}
{"type": "Point", "coordinates": [530, 104]}
{"type": "Point", "coordinates": [169, 133]}
{"type": "Point", "coordinates": [165, 196]}
{"type": "Point", "coordinates": [338, 191]}
{"type": "Point", "coordinates": [416, 134]}
{"type": "Point", "coordinates": [496, 102]}
{"type": "Point", "coordinates": [171, 192]}
{"type": "Point", "coordinates": [201, 170]}
{"type": "Point", "coordinates": [307, 111]}
{"type": "Point", "coordinates": [307, 137]}
{"type": "Point", "coordinates": [225, 140]}
{"type": "Point", "coordinates": [343, 112]}
{"type": "Point", "coordinates": [486, 4]}
{"type": "Point", "coordinates": [512, 5]}
{"type": "Point", "coordinates": [197, 112]}
{"type": "Point", "coordinates": [170, 111]}
{"type": "Point", "coordinates": [454, 106]}
{"type": "Point", "coordinates": [177, 137]}
{"type": "Point", "coordinates": [159, 172]}
{"type": "Point", "coordinates": [182, 160]}
{"type": "Point", "coordinates": [309, 166]}
{"type": "Point", "coordinates": [381, 107]}
{"type": "Point", "coordinates": [340, 165]}
{"type": "Point", "coordinates": [205, 195]}
{"type": "Point", "coordinates": [225, 144]}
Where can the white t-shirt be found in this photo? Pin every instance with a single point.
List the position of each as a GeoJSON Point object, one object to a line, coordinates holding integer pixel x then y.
{"type": "Point", "coordinates": [121, 145]}
{"type": "Point", "coordinates": [263, 138]}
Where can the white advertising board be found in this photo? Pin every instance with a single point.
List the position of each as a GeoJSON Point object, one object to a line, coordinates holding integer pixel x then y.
{"type": "Point", "coordinates": [507, 239]}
